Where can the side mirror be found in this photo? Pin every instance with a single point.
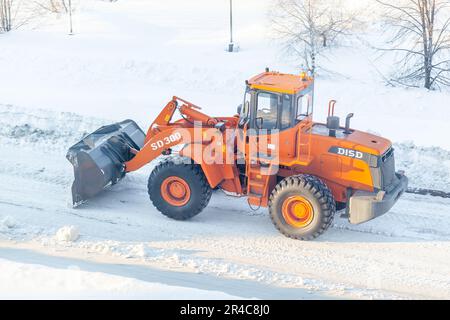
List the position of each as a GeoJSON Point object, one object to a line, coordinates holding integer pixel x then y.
{"type": "Point", "coordinates": [259, 122]}
{"type": "Point", "coordinates": [239, 109]}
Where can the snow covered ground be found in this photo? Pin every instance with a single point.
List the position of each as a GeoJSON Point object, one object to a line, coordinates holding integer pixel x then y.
{"type": "Point", "coordinates": [126, 60]}
{"type": "Point", "coordinates": [228, 248]}
{"type": "Point", "coordinates": [32, 281]}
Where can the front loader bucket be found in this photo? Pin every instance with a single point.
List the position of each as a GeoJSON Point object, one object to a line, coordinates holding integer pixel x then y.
{"type": "Point", "coordinates": [98, 159]}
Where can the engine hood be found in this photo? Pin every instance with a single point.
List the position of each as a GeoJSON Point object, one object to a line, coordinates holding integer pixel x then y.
{"type": "Point", "coordinates": [367, 142]}
{"type": "Point", "coordinates": [356, 140]}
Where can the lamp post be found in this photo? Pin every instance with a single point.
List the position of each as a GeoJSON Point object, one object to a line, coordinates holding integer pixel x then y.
{"type": "Point", "coordinates": [230, 46]}
{"type": "Point", "coordinates": [70, 18]}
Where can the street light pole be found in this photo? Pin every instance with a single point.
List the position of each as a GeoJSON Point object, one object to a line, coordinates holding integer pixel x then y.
{"type": "Point", "coordinates": [70, 17]}
{"type": "Point", "coordinates": [230, 46]}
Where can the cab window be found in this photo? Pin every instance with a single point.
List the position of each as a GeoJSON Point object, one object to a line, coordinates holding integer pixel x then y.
{"type": "Point", "coordinates": [246, 106]}
{"type": "Point", "coordinates": [286, 112]}
{"type": "Point", "coordinates": [267, 109]}
{"type": "Point", "coordinates": [309, 98]}
{"type": "Point", "coordinates": [304, 106]}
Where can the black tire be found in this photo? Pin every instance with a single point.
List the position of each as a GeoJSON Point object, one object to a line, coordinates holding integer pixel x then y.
{"type": "Point", "coordinates": [319, 196]}
{"type": "Point", "coordinates": [200, 191]}
{"type": "Point", "coordinates": [340, 206]}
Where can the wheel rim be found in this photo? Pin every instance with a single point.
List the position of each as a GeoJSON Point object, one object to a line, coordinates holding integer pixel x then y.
{"type": "Point", "coordinates": [297, 211]}
{"type": "Point", "coordinates": [175, 191]}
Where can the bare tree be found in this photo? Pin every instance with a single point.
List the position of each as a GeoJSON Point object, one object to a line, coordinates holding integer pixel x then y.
{"type": "Point", "coordinates": [6, 17]}
{"type": "Point", "coordinates": [308, 27]}
{"type": "Point", "coordinates": [422, 40]}
{"type": "Point", "coordinates": [15, 14]}
{"type": "Point", "coordinates": [54, 6]}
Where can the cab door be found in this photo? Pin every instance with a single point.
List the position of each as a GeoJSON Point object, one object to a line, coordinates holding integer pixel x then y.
{"type": "Point", "coordinates": [287, 128]}
{"type": "Point", "coordinates": [263, 136]}
{"type": "Point", "coordinates": [273, 124]}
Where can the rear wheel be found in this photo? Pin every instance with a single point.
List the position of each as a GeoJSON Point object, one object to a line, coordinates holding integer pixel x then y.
{"type": "Point", "coordinates": [178, 188]}
{"type": "Point", "coordinates": [302, 207]}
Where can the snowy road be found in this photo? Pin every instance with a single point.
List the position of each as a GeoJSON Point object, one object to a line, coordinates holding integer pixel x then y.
{"type": "Point", "coordinates": [227, 248]}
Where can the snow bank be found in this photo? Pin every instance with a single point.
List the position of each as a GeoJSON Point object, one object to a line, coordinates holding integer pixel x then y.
{"type": "Point", "coordinates": [54, 131]}
{"type": "Point", "coordinates": [426, 167]}
{"type": "Point", "coordinates": [67, 234]}
{"type": "Point", "coordinates": [47, 130]}
{"type": "Point", "coordinates": [44, 129]}
{"type": "Point", "coordinates": [30, 281]}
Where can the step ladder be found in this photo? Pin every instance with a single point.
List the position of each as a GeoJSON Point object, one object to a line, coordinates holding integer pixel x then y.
{"type": "Point", "coordinates": [261, 174]}
{"type": "Point", "coordinates": [304, 138]}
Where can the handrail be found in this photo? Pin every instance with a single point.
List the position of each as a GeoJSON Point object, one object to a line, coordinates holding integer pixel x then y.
{"type": "Point", "coordinates": [307, 127]}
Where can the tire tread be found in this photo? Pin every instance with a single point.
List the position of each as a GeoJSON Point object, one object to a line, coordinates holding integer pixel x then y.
{"type": "Point", "coordinates": [187, 164]}
{"type": "Point", "coordinates": [320, 191]}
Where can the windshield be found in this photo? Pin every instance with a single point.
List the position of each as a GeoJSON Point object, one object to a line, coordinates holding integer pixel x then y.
{"type": "Point", "coordinates": [267, 109]}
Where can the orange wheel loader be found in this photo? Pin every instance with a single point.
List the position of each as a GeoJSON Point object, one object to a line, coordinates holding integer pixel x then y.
{"type": "Point", "coordinates": [271, 151]}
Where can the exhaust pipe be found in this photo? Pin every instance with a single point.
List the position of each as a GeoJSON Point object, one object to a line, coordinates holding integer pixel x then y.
{"type": "Point", "coordinates": [347, 123]}
{"type": "Point", "coordinates": [98, 159]}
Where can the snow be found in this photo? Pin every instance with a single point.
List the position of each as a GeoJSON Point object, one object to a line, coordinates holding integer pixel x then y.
{"type": "Point", "coordinates": [6, 223]}
{"type": "Point", "coordinates": [56, 131]}
{"type": "Point", "coordinates": [67, 234]}
{"type": "Point", "coordinates": [34, 281]}
{"type": "Point", "coordinates": [227, 248]}
{"type": "Point", "coordinates": [427, 167]}
{"type": "Point", "coordinates": [160, 50]}
{"type": "Point", "coordinates": [126, 60]}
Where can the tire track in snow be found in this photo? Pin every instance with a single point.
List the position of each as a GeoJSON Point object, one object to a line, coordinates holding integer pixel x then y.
{"type": "Point", "coordinates": [429, 192]}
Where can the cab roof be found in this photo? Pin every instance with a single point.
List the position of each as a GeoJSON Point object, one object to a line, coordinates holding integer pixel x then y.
{"type": "Point", "coordinates": [280, 82]}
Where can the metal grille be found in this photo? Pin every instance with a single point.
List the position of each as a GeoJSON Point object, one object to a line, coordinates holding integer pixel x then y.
{"type": "Point", "coordinates": [388, 169]}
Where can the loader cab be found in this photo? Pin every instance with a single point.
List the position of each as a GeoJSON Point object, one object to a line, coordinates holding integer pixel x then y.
{"type": "Point", "coordinates": [274, 101]}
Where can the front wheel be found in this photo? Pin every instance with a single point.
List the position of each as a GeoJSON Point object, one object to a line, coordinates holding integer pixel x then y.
{"type": "Point", "coordinates": [178, 188]}
{"type": "Point", "coordinates": [302, 207]}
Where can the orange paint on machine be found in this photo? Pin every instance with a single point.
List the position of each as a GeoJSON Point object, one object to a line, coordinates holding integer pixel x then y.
{"type": "Point", "coordinates": [271, 151]}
